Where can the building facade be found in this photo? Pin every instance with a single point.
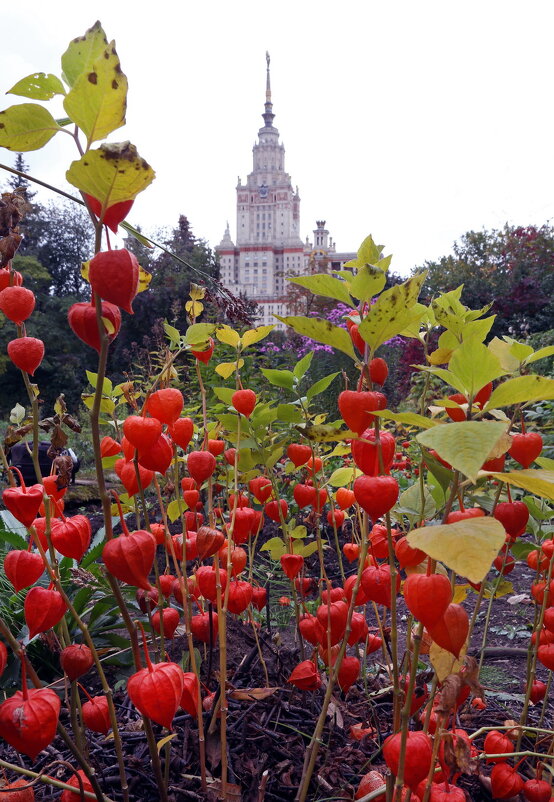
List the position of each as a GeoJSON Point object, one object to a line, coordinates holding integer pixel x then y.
{"type": "Point", "coordinates": [268, 247]}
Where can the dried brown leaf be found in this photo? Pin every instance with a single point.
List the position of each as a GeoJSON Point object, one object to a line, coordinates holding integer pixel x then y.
{"type": "Point", "coordinates": [8, 247]}
{"type": "Point", "coordinates": [456, 753]}
{"type": "Point", "coordinates": [252, 694]}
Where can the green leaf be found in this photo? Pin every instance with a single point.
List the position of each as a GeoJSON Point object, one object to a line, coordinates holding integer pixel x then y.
{"type": "Point", "coordinates": [474, 366]}
{"type": "Point", "coordinates": [199, 334]}
{"type": "Point", "coordinates": [82, 52]}
{"type": "Point", "coordinates": [520, 549]}
{"type": "Point", "coordinates": [307, 550]}
{"type": "Point", "coordinates": [276, 548]}
{"type": "Point", "coordinates": [301, 368]}
{"type": "Point", "coordinates": [343, 476]}
{"type": "Point", "coordinates": [298, 532]}
{"type": "Point", "coordinates": [279, 378]}
{"type": "Point", "coordinates": [224, 394]}
{"type": "Point", "coordinates": [134, 233]}
{"type": "Point", "coordinates": [255, 335]}
{"type": "Point", "coordinates": [409, 503]}
{"type": "Point", "coordinates": [537, 482]}
{"type": "Point", "coordinates": [12, 532]}
{"type": "Point", "coordinates": [320, 386]}
{"type": "Point", "coordinates": [521, 390]}
{"type": "Point", "coordinates": [392, 312]}
{"type": "Point", "coordinates": [419, 314]}
{"type": "Point", "coordinates": [322, 331]}
{"type": "Point", "coordinates": [172, 333]}
{"type": "Point", "coordinates": [368, 254]}
{"type": "Point", "coordinates": [174, 508]}
{"type": "Point", "coordinates": [546, 463]}
{"type": "Point", "coordinates": [540, 354]}
{"type": "Point", "coordinates": [368, 281]}
{"type": "Point", "coordinates": [408, 418]}
{"type": "Point", "coordinates": [442, 475]}
{"type": "Point", "coordinates": [26, 127]}
{"type": "Point", "coordinates": [38, 86]}
{"type": "Point", "coordinates": [111, 173]}
{"type": "Point", "coordinates": [502, 350]}
{"type": "Point", "coordinates": [107, 386]}
{"type": "Point", "coordinates": [325, 285]}
{"type": "Point", "coordinates": [464, 445]}
{"type": "Point", "coordinates": [289, 413]}
{"type": "Point", "coordinates": [468, 547]}
{"type": "Point", "coordinates": [543, 513]}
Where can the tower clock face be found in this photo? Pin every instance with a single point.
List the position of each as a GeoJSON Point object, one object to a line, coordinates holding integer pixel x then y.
{"type": "Point", "coordinates": [263, 191]}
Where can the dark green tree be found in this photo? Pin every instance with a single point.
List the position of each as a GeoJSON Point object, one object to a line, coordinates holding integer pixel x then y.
{"type": "Point", "coordinates": [61, 237]}
{"type": "Point", "coordinates": [17, 182]}
{"type": "Point", "coordinates": [511, 267]}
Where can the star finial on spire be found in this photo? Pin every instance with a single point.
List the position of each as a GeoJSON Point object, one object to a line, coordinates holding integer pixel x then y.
{"type": "Point", "coordinates": [268, 114]}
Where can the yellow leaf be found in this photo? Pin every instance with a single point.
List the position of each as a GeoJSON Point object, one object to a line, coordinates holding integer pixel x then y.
{"type": "Point", "coordinates": [85, 269]}
{"type": "Point", "coordinates": [444, 662]}
{"type": "Point", "coordinates": [108, 325]}
{"type": "Point", "coordinates": [111, 173]}
{"type": "Point", "coordinates": [521, 390]}
{"type": "Point", "coordinates": [392, 312]}
{"type": "Point", "coordinates": [504, 588]}
{"type": "Point", "coordinates": [440, 357]}
{"type": "Point", "coordinates": [144, 279]}
{"type": "Point", "coordinates": [464, 445]}
{"type": "Point", "coordinates": [460, 593]}
{"type": "Point", "coordinates": [255, 335]}
{"type": "Point", "coordinates": [163, 741]}
{"type": "Point", "coordinates": [194, 308]}
{"type": "Point", "coordinates": [538, 482]}
{"type": "Point", "coordinates": [408, 418]}
{"type": "Point", "coordinates": [343, 476]}
{"type": "Point", "coordinates": [197, 293]}
{"type": "Point", "coordinates": [227, 335]}
{"type": "Point", "coordinates": [98, 98]}
{"type": "Point", "coordinates": [227, 369]}
{"type": "Point", "coordinates": [82, 52]}
{"type": "Point", "coordinates": [468, 547]}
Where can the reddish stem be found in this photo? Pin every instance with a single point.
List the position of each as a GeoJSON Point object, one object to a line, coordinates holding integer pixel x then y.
{"type": "Point", "coordinates": [145, 648]}
{"type": "Point", "coordinates": [21, 480]}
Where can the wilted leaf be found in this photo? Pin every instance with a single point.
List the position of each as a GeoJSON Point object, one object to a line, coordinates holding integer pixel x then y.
{"type": "Point", "coordinates": [251, 694]}
{"type": "Point", "coordinates": [111, 173]}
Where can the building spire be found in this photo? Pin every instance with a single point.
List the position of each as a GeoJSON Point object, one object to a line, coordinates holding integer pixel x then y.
{"type": "Point", "coordinates": [268, 113]}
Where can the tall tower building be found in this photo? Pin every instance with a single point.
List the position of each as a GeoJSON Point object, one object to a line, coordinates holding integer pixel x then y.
{"type": "Point", "coordinates": [268, 245]}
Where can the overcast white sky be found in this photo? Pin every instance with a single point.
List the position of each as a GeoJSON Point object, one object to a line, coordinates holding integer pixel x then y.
{"type": "Point", "coordinates": [413, 121]}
